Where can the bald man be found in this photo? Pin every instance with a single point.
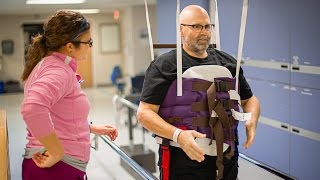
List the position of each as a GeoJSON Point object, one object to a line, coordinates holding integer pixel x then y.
{"type": "Point", "coordinates": [186, 128]}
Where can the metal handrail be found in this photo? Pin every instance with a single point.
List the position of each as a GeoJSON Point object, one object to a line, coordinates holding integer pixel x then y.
{"type": "Point", "coordinates": [131, 109]}
{"type": "Point", "coordinates": [134, 165]}
{"type": "Point", "coordinates": [125, 102]}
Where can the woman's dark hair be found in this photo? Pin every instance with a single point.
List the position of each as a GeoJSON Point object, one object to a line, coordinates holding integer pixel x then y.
{"type": "Point", "coordinates": [62, 27]}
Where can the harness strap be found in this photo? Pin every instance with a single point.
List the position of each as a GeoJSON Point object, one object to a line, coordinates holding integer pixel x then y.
{"type": "Point", "coordinates": [240, 116]}
{"type": "Point", "coordinates": [203, 121]}
{"type": "Point", "coordinates": [223, 86]}
{"type": "Point", "coordinates": [211, 94]}
{"type": "Point", "coordinates": [203, 105]}
{"type": "Point", "coordinates": [241, 39]}
{"type": "Point", "coordinates": [217, 128]}
{"type": "Point", "coordinates": [201, 85]}
{"type": "Point", "coordinates": [218, 133]}
{"type": "Point", "coordinates": [228, 104]}
{"type": "Point", "coordinates": [223, 117]}
{"type": "Point", "coordinates": [173, 120]}
{"type": "Point", "coordinates": [199, 106]}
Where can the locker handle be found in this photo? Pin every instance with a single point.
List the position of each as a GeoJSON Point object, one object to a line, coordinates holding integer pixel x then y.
{"type": "Point", "coordinates": [284, 66]}
{"type": "Point", "coordinates": [296, 68]}
{"type": "Point", "coordinates": [284, 126]}
{"type": "Point", "coordinates": [295, 130]}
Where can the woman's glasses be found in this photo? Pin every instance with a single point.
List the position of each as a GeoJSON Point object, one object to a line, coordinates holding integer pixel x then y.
{"type": "Point", "coordinates": [90, 42]}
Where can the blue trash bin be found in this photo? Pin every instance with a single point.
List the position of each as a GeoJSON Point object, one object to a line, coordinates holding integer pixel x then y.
{"type": "Point", "coordinates": [1, 87]}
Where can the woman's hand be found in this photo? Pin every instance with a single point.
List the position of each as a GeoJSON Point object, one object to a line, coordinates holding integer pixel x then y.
{"type": "Point", "coordinates": [108, 130]}
{"type": "Point", "coordinates": [53, 154]}
{"type": "Point", "coordinates": [46, 159]}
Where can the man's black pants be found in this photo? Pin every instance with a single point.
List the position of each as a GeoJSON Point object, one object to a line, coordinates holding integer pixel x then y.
{"type": "Point", "coordinates": [183, 168]}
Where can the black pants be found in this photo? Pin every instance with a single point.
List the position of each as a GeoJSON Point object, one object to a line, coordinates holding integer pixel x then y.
{"type": "Point", "coordinates": [183, 168]}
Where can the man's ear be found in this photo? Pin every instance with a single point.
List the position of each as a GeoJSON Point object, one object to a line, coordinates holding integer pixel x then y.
{"type": "Point", "coordinates": [181, 31]}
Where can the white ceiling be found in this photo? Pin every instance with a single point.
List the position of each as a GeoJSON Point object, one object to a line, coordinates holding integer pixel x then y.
{"type": "Point", "coordinates": [18, 7]}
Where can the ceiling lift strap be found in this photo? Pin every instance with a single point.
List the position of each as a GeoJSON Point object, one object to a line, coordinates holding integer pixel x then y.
{"type": "Point", "coordinates": [216, 25]}
{"type": "Point", "coordinates": [241, 39]}
{"type": "Point", "coordinates": [149, 30]}
{"type": "Point", "coordinates": [179, 52]}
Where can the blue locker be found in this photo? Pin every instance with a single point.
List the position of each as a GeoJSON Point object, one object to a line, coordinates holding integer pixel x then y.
{"type": "Point", "coordinates": [305, 40]}
{"type": "Point", "coordinates": [271, 146]}
{"type": "Point", "coordinates": [252, 39]}
{"type": "Point", "coordinates": [279, 76]}
{"type": "Point", "coordinates": [304, 28]}
{"type": "Point", "coordinates": [229, 22]}
{"type": "Point", "coordinates": [305, 108]}
{"type": "Point", "coordinates": [304, 158]}
{"type": "Point", "coordinates": [275, 18]}
{"type": "Point", "coordinates": [305, 79]}
{"type": "Point", "coordinates": [266, 36]}
{"type": "Point", "coordinates": [274, 99]}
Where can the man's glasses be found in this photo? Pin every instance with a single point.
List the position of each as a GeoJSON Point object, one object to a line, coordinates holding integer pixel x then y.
{"type": "Point", "coordinates": [199, 27]}
{"type": "Point", "coordinates": [90, 42]}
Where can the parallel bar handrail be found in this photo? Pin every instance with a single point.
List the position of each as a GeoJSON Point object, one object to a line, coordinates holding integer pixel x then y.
{"type": "Point", "coordinates": [125, 102]}
{"type": "Point", "coordinates": [131, 109]}
{"type": "Point", "coordinates": [134, 165]}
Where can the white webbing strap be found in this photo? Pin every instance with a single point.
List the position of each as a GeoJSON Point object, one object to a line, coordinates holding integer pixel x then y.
{"type": "Point", "coordinates": [234, 96]}
{"type": "Point", "coordinates": [179, 52]}
{"type": "Point", "coordinates": [149, 30]}
{"type": "Point", "coordinates": [241, 39]}
{"type": "Point", "coordinates": [216, 26]}
{"type": "Point", "coordinates": [240, 116]}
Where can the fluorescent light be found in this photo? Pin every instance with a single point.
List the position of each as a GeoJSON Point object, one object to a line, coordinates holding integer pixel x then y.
{"type": "Point", "coordinates": [86, 11]}
{"type": "Point", "coordinates": [55, 1]}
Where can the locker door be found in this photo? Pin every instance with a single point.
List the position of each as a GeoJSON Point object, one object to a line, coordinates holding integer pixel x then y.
{"type": "Point", "coordinates": [304, 28]}
{"type": "Point", "coordinates": [268, 138]}
{"type": "Point", "coordinates": [304, 157]}
{"type": "Point", "coordinates": [266, 48]}
{"type": "Point", "coordinates": [229, 19]}
{"type": "Point", "coordinates": [267, 71]}
{"type": "Point", "coordinates": [275, 16]}
{"type": "Point", "coordinates": [273, 127]}
{"type": "Point", "coordinates": [305, 108]}
{"type": "Point", "coordinates": [305, 38]}
{"type": "Point", "coordinates": [274, 99]}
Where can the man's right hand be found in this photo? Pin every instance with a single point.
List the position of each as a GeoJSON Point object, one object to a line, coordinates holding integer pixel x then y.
{"type": "Point", "coordinates": [186, 140]}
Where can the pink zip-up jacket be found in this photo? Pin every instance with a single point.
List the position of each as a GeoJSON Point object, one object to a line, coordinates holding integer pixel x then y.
{"type": "Point", "coordinates": [54, 101]}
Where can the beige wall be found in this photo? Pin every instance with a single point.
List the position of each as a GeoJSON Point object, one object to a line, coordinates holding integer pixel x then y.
{"type": "Point", "coordinates": [12, 65]}
{"type": "Point", "coordinates": [102, 63]}
{"type": "Point", "coordinates": [134, 56]}
{"type": "Point", "coordinates": [136, 50]}
{"type": "Point", "coordinates": [141, 46]}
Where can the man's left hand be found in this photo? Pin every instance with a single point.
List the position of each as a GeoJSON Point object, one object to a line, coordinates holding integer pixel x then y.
{"type": "Point", "coordinates": [251, 133]}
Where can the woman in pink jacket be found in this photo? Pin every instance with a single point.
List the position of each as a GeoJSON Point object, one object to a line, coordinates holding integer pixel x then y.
{"type": "Point", "coordinates": [54, 108]}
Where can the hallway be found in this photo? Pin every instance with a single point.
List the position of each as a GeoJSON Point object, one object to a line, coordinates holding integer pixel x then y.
{"type": "Point", "coordinates": [104, 163]}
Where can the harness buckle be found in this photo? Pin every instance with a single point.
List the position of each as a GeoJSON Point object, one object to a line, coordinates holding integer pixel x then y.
{"type": "Point", "coordinates": [221, 86]}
